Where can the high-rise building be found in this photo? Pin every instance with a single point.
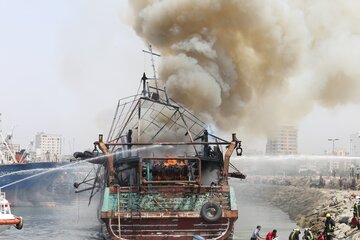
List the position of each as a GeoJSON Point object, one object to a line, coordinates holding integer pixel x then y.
{"type": "Point", "coordinates": [47, 147]}
{"type": "Point", "coordinates": [355, 144]}
{"type": "Point", "coordinates": [282, 141]}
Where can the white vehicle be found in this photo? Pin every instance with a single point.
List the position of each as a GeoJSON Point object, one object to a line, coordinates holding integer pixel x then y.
{"type": "Point", "coordinates": [7, 219]}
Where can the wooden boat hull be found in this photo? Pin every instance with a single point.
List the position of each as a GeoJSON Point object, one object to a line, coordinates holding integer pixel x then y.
{"type": "Point", "coordinates": [169, 228]}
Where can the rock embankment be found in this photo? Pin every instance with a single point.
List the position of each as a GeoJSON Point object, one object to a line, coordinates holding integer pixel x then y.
{"type": "Point", "coordinates": [311, 205]}
{"type": "Point", "coordinates": [308, 206]}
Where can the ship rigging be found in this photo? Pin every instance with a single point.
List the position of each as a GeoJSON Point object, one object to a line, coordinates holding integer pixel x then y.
{"type": "Point", "coordinates": [162, 174]}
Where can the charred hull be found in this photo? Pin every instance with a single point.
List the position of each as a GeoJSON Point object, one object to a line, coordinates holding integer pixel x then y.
{"type": "Point", "coordinates": [169, 213]}
{"type": "Point", "coordinates": [169, 228]}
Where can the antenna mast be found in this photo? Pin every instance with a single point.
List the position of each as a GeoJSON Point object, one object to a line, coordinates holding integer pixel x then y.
{"type": "Point", "coordinates": [153, 62]}
{"type": "Point", "coordinates": [153, 65]}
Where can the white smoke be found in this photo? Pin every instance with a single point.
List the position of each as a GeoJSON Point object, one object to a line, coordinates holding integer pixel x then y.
{"type": "Point", "coordinates": [254, 63]}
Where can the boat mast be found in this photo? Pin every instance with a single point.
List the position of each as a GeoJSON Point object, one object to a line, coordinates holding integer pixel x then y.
{"type": "Point", "coordinates": [139, 119]}
{"type": "Point", "coordinates": [152, 54]}
{"type": "Point", "coordinates": [153, 67]}
{"type": "Point", "coordinates": [144, 79]}
{"type": "Point", "coordinates": [2, 156]}
{"type": "Point", "coordinates": [6, 152]}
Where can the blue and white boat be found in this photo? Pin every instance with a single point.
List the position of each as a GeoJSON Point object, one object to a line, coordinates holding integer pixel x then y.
{"type": "Point", "coordinates": [28, 182]}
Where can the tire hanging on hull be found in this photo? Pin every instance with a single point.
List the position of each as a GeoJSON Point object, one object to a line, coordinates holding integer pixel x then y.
{"type": "Point", "coordinates": [211, 212]}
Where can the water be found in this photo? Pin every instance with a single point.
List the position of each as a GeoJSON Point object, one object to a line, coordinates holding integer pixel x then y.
{"type": "Point", "coordinates": [73, 221]}
{"type": "Point", "coordinates": [77, 221]}
{"type": "Point", "coordinates": [254, 211]}
{"type": "Point", "coordinates": [64, 167]}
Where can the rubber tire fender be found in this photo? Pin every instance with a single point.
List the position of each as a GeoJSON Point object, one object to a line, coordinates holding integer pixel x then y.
{"type": "Point", "coordinates": [20, 225]}
{"type": "Point", "coordinates": [204, 212]}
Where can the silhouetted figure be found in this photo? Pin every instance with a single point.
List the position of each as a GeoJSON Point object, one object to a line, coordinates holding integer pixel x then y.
{"type": "Point", "coordinates": [129, 138]}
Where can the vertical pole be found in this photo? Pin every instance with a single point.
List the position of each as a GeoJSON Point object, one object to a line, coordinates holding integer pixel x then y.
{"type": "Point", "coordinates": [333, 144]}
{"type": "Point", "coordinates": [118, 198]}
{"type": "Point", "coordinates": [153, 66]}
{"type": "Point", "coordinates": [139, 121]}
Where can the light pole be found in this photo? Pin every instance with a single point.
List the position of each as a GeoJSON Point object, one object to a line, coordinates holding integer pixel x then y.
{"type": "Point", "coordinates": [333, 141]}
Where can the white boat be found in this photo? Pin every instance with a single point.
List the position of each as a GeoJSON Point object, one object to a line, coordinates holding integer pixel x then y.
{"type": "Point", "coordinates": [7, 219]}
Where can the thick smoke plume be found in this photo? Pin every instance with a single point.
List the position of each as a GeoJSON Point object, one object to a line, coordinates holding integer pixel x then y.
{"type": "Point", "coordinates": [254, 63]}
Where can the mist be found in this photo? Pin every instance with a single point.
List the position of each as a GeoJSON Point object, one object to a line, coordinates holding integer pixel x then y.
{"type": "Point", "coordinates": [296, 165]}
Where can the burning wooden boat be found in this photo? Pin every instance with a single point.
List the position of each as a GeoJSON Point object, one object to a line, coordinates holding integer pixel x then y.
{"type": "Point", "coordinates": [7, 219]}
{"type": "Point", "coordinates": [165, 176]}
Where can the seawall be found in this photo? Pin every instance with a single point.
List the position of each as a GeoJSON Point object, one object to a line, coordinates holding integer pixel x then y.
{"type": "Point", "coordinates": [307, 206]}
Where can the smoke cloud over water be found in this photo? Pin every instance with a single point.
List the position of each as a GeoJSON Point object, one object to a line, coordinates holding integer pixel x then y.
{"type": "Point", "coordinates": [254, 63]}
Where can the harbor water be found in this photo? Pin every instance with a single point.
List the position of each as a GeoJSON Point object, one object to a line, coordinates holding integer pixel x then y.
{"type": "Point", "coordinates": [72, 221]}
{"type": "Point", "coordinates": [255, 211]}
{"type": "Point", "coordinates": [77, 221]}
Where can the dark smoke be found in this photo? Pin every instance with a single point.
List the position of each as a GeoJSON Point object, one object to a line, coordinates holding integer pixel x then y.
{"type": "Point", "coordinates": [254, 64]}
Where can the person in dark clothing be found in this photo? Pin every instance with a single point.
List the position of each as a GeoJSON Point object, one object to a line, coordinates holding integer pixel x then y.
{"type": "Point", "coordinates": [329, 227]}
{"type": "Point", "coordinates": [356, 212]}
{"type": "Point", "coordinates": [308, 234]}
{"type": "Point", "coordinates": [295, 234]}
{"type": "Point", "coordinates": [129, 138]}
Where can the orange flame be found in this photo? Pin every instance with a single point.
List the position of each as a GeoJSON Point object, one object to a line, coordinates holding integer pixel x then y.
{"type": "Point", "coordinates": [170, 162]}
{"type": "Point", "coordinates": [181, 163]}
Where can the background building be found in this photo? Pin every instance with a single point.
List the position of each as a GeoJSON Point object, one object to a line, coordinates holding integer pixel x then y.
{"type": "Point", "coordinates": [282, 141]}
{"type": "Point", "coordinates": [355, 144]}
{"type": "Point", "coordinates": [47, 147]}
{"type": "Point", "coordinates": [338, 163]}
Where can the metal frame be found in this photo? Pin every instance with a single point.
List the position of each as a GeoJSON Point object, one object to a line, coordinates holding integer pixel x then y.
{"type": "Point", "coordinates": [142, 181]}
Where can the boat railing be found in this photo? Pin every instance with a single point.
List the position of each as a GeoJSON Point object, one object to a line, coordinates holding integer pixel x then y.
{"type": "Point", "coordinates": [4, 204]}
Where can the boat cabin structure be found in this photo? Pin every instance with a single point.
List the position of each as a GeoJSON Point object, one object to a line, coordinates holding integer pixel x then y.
{"type": "Point", "coordinates": [164, 175]}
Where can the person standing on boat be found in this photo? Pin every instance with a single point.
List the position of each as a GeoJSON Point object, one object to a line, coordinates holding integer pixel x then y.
{"type": "Point", "coordinates": [256, 234]}
{"type": "Point", "coordinates": [271, 235]}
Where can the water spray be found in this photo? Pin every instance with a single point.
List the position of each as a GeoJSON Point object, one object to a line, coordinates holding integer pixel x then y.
{"type": "Point", "coordinates": [71, 165]}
